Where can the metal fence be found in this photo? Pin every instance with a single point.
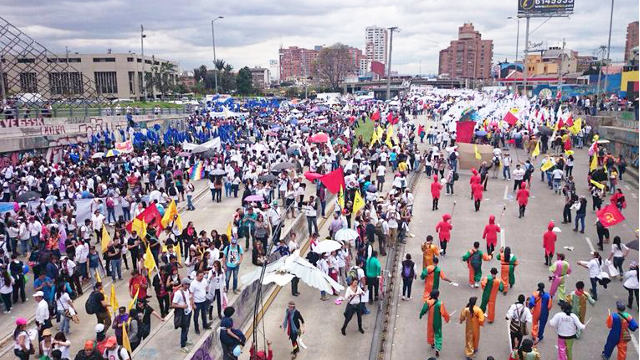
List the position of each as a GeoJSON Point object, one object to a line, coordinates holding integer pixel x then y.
{"type": "Point", "coordinates": [86, 111]}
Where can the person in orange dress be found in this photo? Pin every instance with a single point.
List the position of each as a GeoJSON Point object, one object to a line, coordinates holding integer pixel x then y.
{"type": "Point", "coordinates": [429, 251]}
{"type": "Point", "coordinates": [431, 276]}
{"type": "Point", "coordinates": [473, 317]}
{"type": "Point", "coordinates": [491, 285]}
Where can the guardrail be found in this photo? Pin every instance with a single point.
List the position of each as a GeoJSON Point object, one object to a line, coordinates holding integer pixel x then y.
{"type": "Point", "coordinates": [89, 111]}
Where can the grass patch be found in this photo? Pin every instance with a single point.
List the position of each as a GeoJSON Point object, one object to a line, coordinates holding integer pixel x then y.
{"type": "Point", "coordinates": [366, 131]}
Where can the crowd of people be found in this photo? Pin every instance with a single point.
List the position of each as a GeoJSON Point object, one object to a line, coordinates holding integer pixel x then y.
{"type": "Point", "coordinates": [269, 157]}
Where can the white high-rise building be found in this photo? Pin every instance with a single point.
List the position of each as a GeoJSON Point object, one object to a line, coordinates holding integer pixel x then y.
{"type": "Point", "coordinates": [376, 44]}
{"type": "Point", "coordinates": [274, 71]}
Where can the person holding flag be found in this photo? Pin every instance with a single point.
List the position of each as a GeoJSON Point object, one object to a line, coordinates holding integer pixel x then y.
{"type": "Point", "coordinates": [436, 313]}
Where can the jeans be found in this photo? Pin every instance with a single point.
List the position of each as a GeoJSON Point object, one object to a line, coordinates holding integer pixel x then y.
{"type": "Point", "coordinates": [312, 224]}
{"type": "Point", "coordinates": [506, 172]}
{"type": "Point", "coordinates": [184, 329]}
{"type": "Point", "coordinates": [164, 303]}
{"type": "Point", "coordinates": [217, 296]}
{"type": "Point", "coordinates": [580, 217]}
{"type": "Point", "coordinates": [594, 288]}
{"type": "Point", "coordinates": [111, 213]}
{"type": "Point", "coordinates": [24, 246]}
{"type": "Point", "coordinates": [323, 206]}
{"type": "Point", "coordinates": [6, 299]}
{"type": "Point", "coordinates": [227, 190]}
{"type": "Point", "coordinates": [116, 269]}
{"type": "Point", "coordinates": [406, 286]}
{"type": "Point", "coordinates": [556, 185]}
{"type": "Point", "coordinates": [348, 315]}
{"type": "Point", "coordinates": [126, 213]}
{"type": "Point", "coordinates": [632, 292]}
{"type": "Point", "coordinates": [372, 286]}
{"type": "Point", "coordinates": [35, 241]}
{"type": "Point", "coordinates": [233, 271]}
{"type": "Point", "coordinates": [449, 188]}
{"type": "Point", "coordinates": [190, 202]}
{"type": "Point", "coordinates": [18, 288]}
{"type": "Point", "coordinates": [201, 309]}
{"type": "Point", "coordinates": [64, 327]}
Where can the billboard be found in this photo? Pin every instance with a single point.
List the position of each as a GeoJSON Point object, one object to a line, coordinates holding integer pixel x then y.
{"type": "Point", "coordinates": [544, 8]}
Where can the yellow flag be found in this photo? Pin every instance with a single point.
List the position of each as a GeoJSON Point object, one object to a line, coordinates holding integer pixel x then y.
{"type": "Point", "coordinates": [125, 338]}
{"type": "Point", "coordinates": [576, 127]}
{"type": "Point", "coordinates": [106, 239]}
{"type": "Point", "coordinates": [341, 198]}
{"type": "Point", "coordinates": [230, 230]}
{"type": "Point", "coordinates": [149, 261]}
{"type": "Point", "coordinates": [536, 151]}
{"type": "Point", "coordinates": [547, 165]}
{"type": "Point", "coordinates": [133, 301]}
{"type": "Point", "coordinates": [98, 278]}
{"type": "Point", "coordinates": [475, 149]}
{"type": "Point", "coordinates": [179, 253]}
{"type": "Point", "coordinates": [594, 163]}
{"type": "Point", "coordinates": [113, 300]}
{"type": "Point", "coordinates": [374, 138]}
{"type": "Point", "coordinates": [140, 228]}
{"type": "Point", "coordinates": [358, 203]}
{"type": "Point", "coordinates": [379, 132]}
{"type": "Point", "coordinates": [169, 214]}
{"type": "Point", "coordinates": [597, 184]}
{"type": "Point", "coordinates": [389, 136]}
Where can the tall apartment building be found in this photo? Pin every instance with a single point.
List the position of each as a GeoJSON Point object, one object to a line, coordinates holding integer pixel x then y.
{"type": "Point", "coordinates": [115, 76]}
{"type": "Point", "coordinates": [376, 44]}
{"type": "Point", "coordinates": [274, 71]}
{"type": "Point", "coordinates": [357, 56]}
{"type": "Point", "coordinates": [297, 63]}
{"type": "Point", "coordinates": [468, 57]}
{"type": "Point", "coordinates": [632, 40]}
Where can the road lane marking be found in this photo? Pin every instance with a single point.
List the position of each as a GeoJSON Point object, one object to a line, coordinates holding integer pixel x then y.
{"type": "Point", "coordinates": [506, 191]}
{"type": "Point", "coordinates": [590, 244]}
{"type": "Point", "coordinates": [502, 236]}
{"type": "Point", "coordinates": [634, 342]}
{"type": "Point", "coordinates": [634, 195]}
{"type": "Point", "coordinates": [627, 186]}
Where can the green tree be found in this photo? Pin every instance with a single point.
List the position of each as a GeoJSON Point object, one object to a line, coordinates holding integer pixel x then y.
{"type": "Point", "coordinates": [244, 81]}
{"type": "Point", "coordinates": [227, 79]}
{"type": "Point", "coordinates": [292, 92]}
{"type": "Point", "coordinates": [333, 64]}
{"type": "Point", "coordinates": [166, 74]}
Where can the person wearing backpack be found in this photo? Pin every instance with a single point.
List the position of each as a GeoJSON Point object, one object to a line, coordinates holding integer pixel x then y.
{"type": "Point", "coordinates": [408, 275]}
{"type": "Point", "coordinates": [115, 351]}
{"type": "Point", "coordinates": [518, 316]}
{"type": "Point", "coordinates": [620, 323]}
{"type": "Point", "coordinates": [97, 305]}
{"type": "Point", "coordinates": [474, 258]}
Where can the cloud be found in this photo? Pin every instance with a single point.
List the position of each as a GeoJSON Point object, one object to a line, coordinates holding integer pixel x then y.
{"type": "Point", "coordinates": [252, 31]}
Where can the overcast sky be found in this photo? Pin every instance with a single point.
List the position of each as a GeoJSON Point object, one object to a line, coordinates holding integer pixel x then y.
{"type": "Point", "coordinates": [253, 30]}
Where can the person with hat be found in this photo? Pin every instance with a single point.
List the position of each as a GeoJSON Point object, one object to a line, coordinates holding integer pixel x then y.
{"type": "Point", "coordinates": [115, 351]}
{"type": "Point", "coordinates": [88, 352]}
{"type": "Point", "coordinates": [100, 342]}
{"type": "Point", "coordinates": [621, 324]}
{"type": "Point", "coordinates": [46, 344]}
{"type": "Point", "coordinates": [43, 317]}
{"type": "Point", "coordinates": [22, 346]}
{"type": "Point", "coordinates": [293, 325]}
{"type": "Point", "coordinates": [183, 304]}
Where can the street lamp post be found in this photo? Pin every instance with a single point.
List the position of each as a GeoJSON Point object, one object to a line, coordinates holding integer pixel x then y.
{"type": "Point", "coordinates": [526, 52]}
{"type": "Point", "coordinates": [144, 87]}
{"type": "Point", "coordinates": [391, 29]}
{"type": "Point", "coordinates": [606, 78]}
{"type": "Point", "coordinates": [213, 40]}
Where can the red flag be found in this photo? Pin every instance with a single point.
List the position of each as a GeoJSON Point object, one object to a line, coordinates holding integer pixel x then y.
{"type": "Point", "coordinates": [375, 116]}
{"type": "Point", "coordinates": [150, 216]}
{"type": "Point", "coordinates": [390, 117]}
{"type": "Point", "coordinates": [510, 118]}
{"type": "Point", "coordinates": [610, 215]}
{"type": "Point", "coordinates": [334, 180]}
{"type": "Point", "coordinates": [569, 121]}
{"type": "Point", "coordinates": [394, 120]}
{"type": "Point", "coordinates": [464, 131]}
{"type": "Point", "coordinates": [560, 124]}
{"type": "Point", "coordinates": [559, 95]}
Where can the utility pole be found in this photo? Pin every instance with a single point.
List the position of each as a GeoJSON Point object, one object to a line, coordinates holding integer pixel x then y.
{"type": "Point", "coordinates": [391, 29]}
{"type": "Point", "coordinates": [2, 80]}
{"type": "Point", "coordinates": [68, 87]}
{"type": "Point", "coordinates": [606, 78]}
{"type": "Point", "coordinates": [560, 67]}
{"type": "Point", "coordinates": [144, 87]}
{"type": "Point", "coordinates": [602, 51]}
{"type": "Point", "coordinates": [526, 52]}
{"type": "Point", "coordinates": [213, 40]}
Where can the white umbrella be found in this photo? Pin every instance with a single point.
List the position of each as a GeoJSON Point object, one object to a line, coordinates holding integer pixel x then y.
{"type": "Point", "coordinates": [97, 155]}
{"type": "Point", "coordinates": [281, 279]}
{"type": "Point", "coordinates": [327, 246]}
{"type": "Point", "coordinates": [259, 147]}
{"type": "Point", "coordinates": [346, 235]}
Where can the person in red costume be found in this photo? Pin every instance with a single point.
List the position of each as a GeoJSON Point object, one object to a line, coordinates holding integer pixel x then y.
{"type": "Point", "coordinates": [476, 191]}
{"type": "Point", "coordinates": [490, 234]}
{"type": "Point", "coordinates": [523, 198]}
{"type": "Point", "coordinates": [475, 179]}
{"type": "Point", "coordinates": [443, 228]}
{"type": "Point", "coordinates": [549, 243]}
{"type": "Point", "coordinates": [435, 192]}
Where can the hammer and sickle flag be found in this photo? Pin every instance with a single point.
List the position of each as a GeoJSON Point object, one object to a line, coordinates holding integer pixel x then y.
{"type": "Point", "coordinates": [610, 215]}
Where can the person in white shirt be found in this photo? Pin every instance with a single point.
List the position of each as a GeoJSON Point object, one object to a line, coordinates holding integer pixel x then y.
{"type": "Point", "coordinates": [594, 267]}
{"type": "Point", "coordinates": [311, 212]}
{"type": "Point", "coordinates": [198, 289]}
{"type": "Point", "coordinates": [97, 221]}
{"type": "Point", "coordinates": [43, 318]}
{"type": "Point", "coordinates": [631, 283]}
{"type": "Point", "coordinates": [567, 325]}
{"type": "Point", "coordinates": [519, 316]}
{"type": "Point", "coordinates": [518, 177]}
{"type": "Point", "coordinates": [183, 301]}
{"type": "Point", "coordinates": [35, 229]}
{"type": "Point", "coordinates": [216, 288]}
{"type": "Point", "coordinates": [506, 166]}
{"type": "Point", "coordinates": [353, 298]}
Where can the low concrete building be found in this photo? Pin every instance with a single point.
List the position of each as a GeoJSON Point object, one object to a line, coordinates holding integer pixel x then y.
{"type": "Point", "coordinates": [261, 78]}
{"type": "Point", "coordinates": [73, 76]}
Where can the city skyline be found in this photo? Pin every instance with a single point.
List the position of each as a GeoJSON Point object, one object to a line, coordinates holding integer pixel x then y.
{"type": "Point", "coordinates": [252, 33]}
